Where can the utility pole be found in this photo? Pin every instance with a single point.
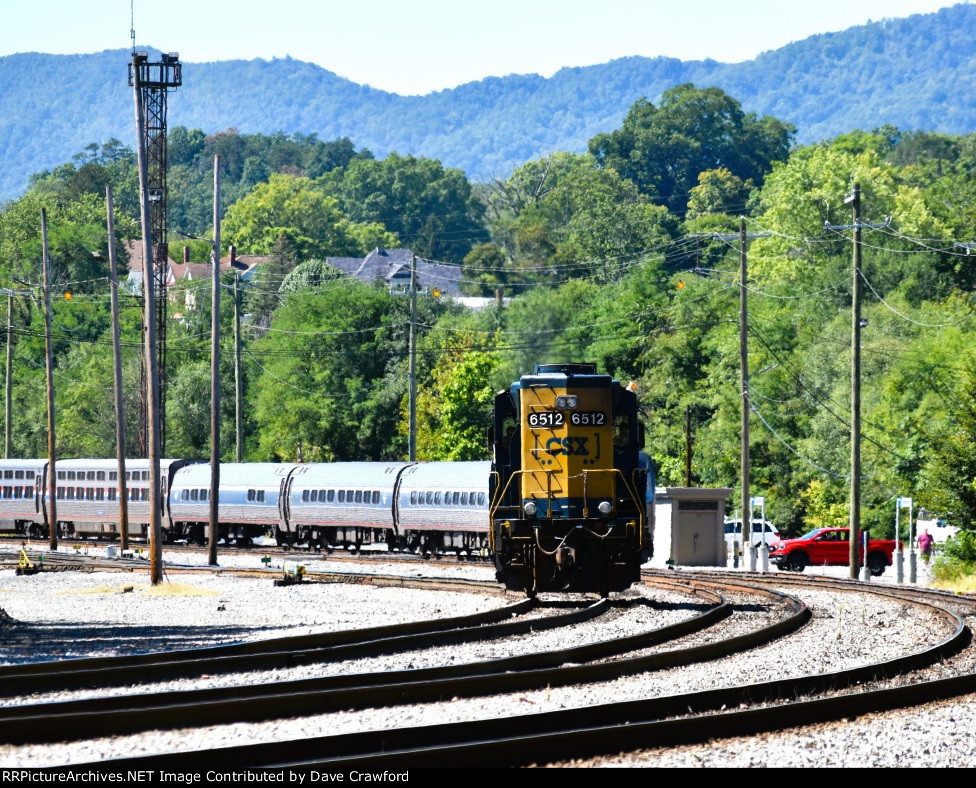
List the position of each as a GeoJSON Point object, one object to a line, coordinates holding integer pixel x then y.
{"type": "Point", "coordinates": [8, 381]}
{"type": "Point", "coordinates": [688, 446]}
{"type": "Point", "coordinates": [215, 369]}
{"type": "Point", "coordinates": [413, 358]}
{"type": "Point", "coordinates": [744, 387]}
{"type": "Point", "coordinates": [238, 404]}
{"type": "Point", "coordinates": [745, 407]}
{"type": "Point", "coordinates": [117, 352]}
{"type": "Point", "coordinates": [152, 383]}
{"type": "Point", "coordinates": [854, 200]}
{"type": "Point", "coordinates": [51, 444]}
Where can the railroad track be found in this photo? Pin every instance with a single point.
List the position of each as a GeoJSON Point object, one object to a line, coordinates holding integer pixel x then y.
{"type": "Point", "coordinates": [538, 738]}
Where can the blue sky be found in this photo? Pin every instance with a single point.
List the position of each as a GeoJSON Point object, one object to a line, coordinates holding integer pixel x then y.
{"type": "Point", "coordinates": [418, 46]}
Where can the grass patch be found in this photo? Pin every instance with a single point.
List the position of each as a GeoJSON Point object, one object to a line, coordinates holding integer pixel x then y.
{"type": "Point", "coordinates": [163, 589]}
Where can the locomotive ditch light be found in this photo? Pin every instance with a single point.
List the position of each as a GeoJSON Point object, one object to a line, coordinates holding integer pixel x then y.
{"type": "Point", "coordinates": [605, 507]}
{"type": "Point", "coordinates": [568, 402]}
{"type": "Point", "coordinates": [530, 508]}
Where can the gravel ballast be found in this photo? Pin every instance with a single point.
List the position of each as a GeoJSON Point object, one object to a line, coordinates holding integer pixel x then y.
{"type": "Point", "coordinates": [69, 614]}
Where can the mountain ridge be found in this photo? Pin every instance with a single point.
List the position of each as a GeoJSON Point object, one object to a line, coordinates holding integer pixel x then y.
{"type": "Point", "coordinates": [916, 73]}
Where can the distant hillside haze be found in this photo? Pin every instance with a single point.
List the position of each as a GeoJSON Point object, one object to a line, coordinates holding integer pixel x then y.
{"type": "Point", "coordinates": [915, 73]}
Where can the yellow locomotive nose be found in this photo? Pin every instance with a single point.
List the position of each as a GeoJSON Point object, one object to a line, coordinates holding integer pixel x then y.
{"type": "Point", "coordinates": [566, 477]}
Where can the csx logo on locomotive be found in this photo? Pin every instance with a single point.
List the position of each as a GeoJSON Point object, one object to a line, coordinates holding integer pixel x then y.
{"type": "Point", "coordinates": [569, 446]}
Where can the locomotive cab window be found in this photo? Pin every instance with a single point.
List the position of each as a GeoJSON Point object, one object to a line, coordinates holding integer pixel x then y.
{"type": "Point", "coordinates": [621, 431]}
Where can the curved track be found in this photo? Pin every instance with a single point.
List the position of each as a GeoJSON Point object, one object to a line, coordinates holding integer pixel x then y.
{"type": "Point", "coordinates": [535, 738]}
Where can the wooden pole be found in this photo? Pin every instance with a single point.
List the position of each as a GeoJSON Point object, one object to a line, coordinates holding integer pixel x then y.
{"type": "Point", "coordinates": [744, 384]}
{"type": "Point", "coordinates": [8, 382]}
{"type": "Point", "coordinates": [152, 367]}
{"type": "Point", "coordinates": [122, 487]}
{"type": "Point", "coordinates": [688, 446]}
{"type": "Point", "coordinates": [855, 504]}
{"type": "Point", "coordinates": [215, 370]}
{"type": "Point", "coordinates": [238, 394]}
{"type": "Point", "coordinates": [51, 443]}
{"type": "Point", "coordinates": [413, 358]}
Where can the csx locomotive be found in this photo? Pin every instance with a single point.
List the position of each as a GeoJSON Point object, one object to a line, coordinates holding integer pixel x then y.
{"type": "Point", "coordinates": [569, 481]}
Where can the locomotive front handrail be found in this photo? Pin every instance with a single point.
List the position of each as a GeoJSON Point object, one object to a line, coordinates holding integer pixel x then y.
{"type": "Point", "coordinates": [639, 505]}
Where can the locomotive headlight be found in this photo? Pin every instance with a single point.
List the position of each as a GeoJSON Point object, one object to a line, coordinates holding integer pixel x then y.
{"type": "Point", "coordinates": [567, 402]}
{"type": "Point", "coordinates": [530, 508]}
{"type": "Point", "coordinates": [605, 508]}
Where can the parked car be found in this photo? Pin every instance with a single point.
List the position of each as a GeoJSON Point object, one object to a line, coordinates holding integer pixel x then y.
{"type": "Point", "coordinates": [761, 531]}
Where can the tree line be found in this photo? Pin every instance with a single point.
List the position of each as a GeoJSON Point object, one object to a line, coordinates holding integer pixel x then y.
{"type": "Point", "coordinates": [618, 256]}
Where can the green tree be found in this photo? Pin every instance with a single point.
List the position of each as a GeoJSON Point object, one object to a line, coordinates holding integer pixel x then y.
{"type": "Point", "coordinates": [431, 209]}
{"type": "Point", "coordinates": [298, 210]}
{"type": "Point", "coordinates": [454, 413]}
{"type": "Point", "coordinates": [718, 192]}
{"type": "Point", "coordinates": [664, 149]}
{"type": "Point", "coordinates": [321, 388]}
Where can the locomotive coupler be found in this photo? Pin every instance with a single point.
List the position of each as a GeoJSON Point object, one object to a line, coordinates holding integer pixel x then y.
{"type": "Point", "coordinates": [565, 557]}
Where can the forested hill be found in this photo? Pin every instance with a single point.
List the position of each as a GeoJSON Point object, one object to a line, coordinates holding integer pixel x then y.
{"type": "Point", "coordinates": [916, 73]}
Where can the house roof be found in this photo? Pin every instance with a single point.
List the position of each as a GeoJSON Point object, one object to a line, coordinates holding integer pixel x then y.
{"type": "Point", "coordinates": [134, 249]}
{"type": "Point", "coordinates": [393, 266]}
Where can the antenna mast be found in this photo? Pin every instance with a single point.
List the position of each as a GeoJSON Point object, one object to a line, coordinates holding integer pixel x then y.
{"type": "Point", "coordinates": [154, 81]}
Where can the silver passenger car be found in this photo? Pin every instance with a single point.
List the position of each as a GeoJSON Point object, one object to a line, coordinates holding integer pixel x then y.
{"type": "Point", "coordinates": [342, 503]}
{"type": "Point", "coordinates": [21, 488]}
{"type": "Point", "coordinates": [87, 495]}
{"type": "Point", "coordinates": [249, 502]}
{"type": "Point", "coordinates": [443, 506]}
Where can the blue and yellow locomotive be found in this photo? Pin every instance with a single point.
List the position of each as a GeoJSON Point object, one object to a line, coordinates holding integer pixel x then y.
{"type": "Point", "coordinates": [568, 483]}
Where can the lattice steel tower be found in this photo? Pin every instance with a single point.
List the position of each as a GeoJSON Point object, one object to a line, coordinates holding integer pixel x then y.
{"type": "Point", "coordinates": [155, 81]}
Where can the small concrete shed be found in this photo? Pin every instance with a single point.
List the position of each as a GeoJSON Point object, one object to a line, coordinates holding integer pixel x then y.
{"type": "Point", "coordinates": [689, 527]}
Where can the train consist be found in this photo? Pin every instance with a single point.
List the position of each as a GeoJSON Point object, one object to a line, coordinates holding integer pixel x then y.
{"type": "Point", "coordinates": [568, 483]}
{"type": "Point", "coordinates": [559, 507]}
{"type": "Point", "coordinates": [431, 507]}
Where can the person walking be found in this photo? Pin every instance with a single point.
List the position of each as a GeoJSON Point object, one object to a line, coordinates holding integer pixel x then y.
{"type": "Point", "coordinates": [925, 545]}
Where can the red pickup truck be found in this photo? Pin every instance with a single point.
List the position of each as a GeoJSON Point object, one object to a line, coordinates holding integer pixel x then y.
{"type": "Point", "coordinates": [829, 547]}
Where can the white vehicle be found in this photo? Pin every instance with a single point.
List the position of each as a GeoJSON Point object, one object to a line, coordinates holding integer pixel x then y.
{"type": "Point", "coordinates": [761, 531]}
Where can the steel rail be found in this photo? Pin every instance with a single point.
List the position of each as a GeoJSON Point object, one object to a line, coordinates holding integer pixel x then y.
{"type": "Point", "coordinates": [284, 652]}
{"type": "Point", "coordinates": [60, 721]}
{"type": "Point", "coordinates": [598, 730]}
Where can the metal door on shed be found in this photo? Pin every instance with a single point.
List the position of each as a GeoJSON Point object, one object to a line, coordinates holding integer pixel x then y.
{"type": "Point", "coordinates": [696, 542]}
